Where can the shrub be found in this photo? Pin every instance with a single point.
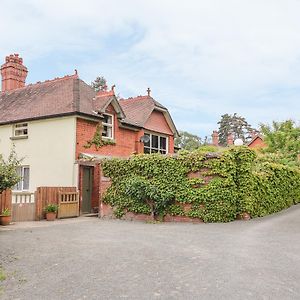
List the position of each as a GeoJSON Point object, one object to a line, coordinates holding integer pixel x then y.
{"type": "Point", "coordinates": [217, 186]}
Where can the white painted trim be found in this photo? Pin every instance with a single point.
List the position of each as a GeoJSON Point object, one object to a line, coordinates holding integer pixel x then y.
{"type": "Point", "coordinates": [159, 135]}
{"type": "Point", "coordinates": [110, 125]}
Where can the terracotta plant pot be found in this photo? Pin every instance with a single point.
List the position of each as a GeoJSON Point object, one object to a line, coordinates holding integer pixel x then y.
{"type": "Point", "coordinates": [50, 216]}
{"type": "Point", "coordinates": [5, 220]}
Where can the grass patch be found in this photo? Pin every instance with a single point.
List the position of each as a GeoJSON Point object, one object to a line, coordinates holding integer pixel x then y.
{"type": "Point", "coordinates": [2, 275]}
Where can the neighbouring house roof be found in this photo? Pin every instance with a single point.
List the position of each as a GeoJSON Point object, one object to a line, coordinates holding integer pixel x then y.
{"type": "Point", "coordinates": [70, 95]}
{"type": "Point", "coordinates": [258, 136]}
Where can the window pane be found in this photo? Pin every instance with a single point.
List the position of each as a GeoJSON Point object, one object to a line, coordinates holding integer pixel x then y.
{"type": "Point", "coordinates": [107, 119]}
{"type": "Point", "coordinates": [18, 132]}
{"type": "Point", "coordinates": [154, 141]}
{"type": "Point", "coordinates": [148, 143]}
{"type": "Point", "coordinates": [18, 186]}
{"type": "Point", "coordinates": [21, 125]}
{"type": "Point", "coordinates": [109, 132]}
{"type": "Point", "coordinates": [163, 143]}
{"type": "Point", "coordinates": [26, 178]}
{"type": "Point", "coordinates": [146, 150]}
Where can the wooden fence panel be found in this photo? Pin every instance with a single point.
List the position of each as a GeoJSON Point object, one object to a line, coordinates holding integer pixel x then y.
{"type": "Point", "coordinates": [68, 205]}
{"type": "Point", "coordinates": [23, 207]}
{"type": "Point", "coordinates": [5, 200]}
{"type": "Point", "coordinates": [49, 195]}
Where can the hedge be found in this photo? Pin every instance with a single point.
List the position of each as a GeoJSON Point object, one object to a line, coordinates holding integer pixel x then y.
{"type": "Point", "coordinates": [217, 186]}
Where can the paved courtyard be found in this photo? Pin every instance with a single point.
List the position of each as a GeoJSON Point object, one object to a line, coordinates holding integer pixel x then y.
{"type": "Point", "coordinates": [88, 258]}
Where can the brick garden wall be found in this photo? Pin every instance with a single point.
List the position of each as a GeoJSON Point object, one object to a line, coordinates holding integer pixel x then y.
{"type": "Point", "coordinates": [106, 211]}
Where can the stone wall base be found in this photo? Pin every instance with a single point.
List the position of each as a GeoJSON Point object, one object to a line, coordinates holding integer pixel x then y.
{"type": "Point", "coordinates": [106, 212]}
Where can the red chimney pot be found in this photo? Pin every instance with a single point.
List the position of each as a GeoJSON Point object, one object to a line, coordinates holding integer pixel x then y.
{"type": "Point", "coordinates": [13, 73]}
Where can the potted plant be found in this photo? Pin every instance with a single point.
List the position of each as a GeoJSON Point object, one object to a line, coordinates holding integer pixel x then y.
{"type": "Point", "coordinates": [51, 210]}
{"type": "Point", "coordinates": [5, 217]}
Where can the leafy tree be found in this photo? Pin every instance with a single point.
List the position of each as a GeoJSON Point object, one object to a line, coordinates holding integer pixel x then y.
{"type": "Point", "coordinates": [8, 171]}
{"type": "Point", "coordinates": [188, 141]}
{"type": "Point", "coordinates": [282, 138]}
{"type": "Point", "coordinates": [236, 125]}
{"type": "Point", "coordinates": [99, 84]}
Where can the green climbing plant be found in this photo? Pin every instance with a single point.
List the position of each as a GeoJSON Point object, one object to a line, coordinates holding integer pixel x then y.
{"type": "Point", "coordinates": [217, 186]}
{"type": "Point", "coordinates": [98, 140]}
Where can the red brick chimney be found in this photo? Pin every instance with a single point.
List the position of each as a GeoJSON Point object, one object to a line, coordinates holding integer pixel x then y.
{"type": "Point", "coordinates": [215, 138]}
{"type": "Point", "coordinates": [253, 134]}
{"type": "Point", "coordinates": [13, 73]}
{"type": "Point", "coordinates": [230, 139]}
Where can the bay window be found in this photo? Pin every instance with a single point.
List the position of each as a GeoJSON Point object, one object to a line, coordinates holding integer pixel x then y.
{"type": "Point", "coordinates": [156, 144]}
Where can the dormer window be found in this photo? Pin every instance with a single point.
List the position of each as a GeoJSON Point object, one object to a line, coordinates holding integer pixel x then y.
{"type": "Point", "coordinates": [21, 130]}
{"type": "Point", "coordinates": [107, 124]}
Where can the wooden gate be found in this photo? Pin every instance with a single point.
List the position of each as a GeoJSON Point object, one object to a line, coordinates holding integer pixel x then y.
{"type": "Point", "coordinates": [23, 207]}
{"type": "Point", "coordinates": [50, 195]}
{"type": "Point", "coordinates": [68, 204]}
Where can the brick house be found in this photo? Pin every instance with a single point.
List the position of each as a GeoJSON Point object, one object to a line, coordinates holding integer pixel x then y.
{"type": "Point", "coordinates": [257, 141]}
{"type": "Point", "coordinates": [54, 124]}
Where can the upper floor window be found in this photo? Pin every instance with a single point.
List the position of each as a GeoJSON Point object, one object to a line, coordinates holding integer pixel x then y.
{"type": "Point", "coordinates": [156, 144]}
{"type": "Point", "coordinates": [21, 130]}
{"type": "Point", "coordinates": [23, 184]}
{"type": "Point", "coordinates": [107, 124]}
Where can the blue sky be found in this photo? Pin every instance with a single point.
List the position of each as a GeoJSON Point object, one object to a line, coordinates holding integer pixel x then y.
{"type": "Point", "coordinates": [201, 59]}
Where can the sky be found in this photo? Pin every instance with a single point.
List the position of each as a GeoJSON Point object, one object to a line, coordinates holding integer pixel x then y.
{"type": "Point", "coordinates": [201, 58]}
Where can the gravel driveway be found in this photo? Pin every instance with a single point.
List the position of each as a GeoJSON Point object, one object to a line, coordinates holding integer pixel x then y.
{"type": "Point", "coordinates": [89, 258]}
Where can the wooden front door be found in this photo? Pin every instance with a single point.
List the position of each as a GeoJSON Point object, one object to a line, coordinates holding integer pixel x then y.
{"type": "Point", "coordinates": [87, 185]}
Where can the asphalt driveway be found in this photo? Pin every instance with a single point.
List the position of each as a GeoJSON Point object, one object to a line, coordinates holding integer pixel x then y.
{"type": "Point", "coordinates": [89, 258]}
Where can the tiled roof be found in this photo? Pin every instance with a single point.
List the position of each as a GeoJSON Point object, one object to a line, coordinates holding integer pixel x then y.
{"type": "Point", "coordinates": [71, 95]}
{"type": "Point", "coordinates": [56, 97]}
{"type": "Point", "coordinates": [138, 109]}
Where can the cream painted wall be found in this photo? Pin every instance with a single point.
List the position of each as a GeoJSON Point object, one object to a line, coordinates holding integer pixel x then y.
{"type": "Point", "coordinates": [49, 151]}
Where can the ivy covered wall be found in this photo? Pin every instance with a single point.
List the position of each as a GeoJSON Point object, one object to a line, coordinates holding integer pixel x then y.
{"type": "Point", "coordinates": [211, 186]}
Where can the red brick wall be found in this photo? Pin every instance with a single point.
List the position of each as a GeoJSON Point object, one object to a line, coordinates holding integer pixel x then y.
{"type": "Point", "coordinates": [158, 123]}
{"type": "Point", "coordinates": [171, 144]}
{"type": "Point", "coordinates": [127, 141]}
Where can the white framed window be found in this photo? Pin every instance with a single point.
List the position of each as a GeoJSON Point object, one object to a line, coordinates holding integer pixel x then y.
{"type": "Point", "coordinates": [108, 126]}
{"type": "Point", "coordinates": [23, 184]}
{"type": "Point", "coordinates": [20, 130]}
{"type": "Point", "coordinates": [156, 144]}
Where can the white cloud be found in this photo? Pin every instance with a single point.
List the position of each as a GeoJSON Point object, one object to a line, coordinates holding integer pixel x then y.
{"type": "Point", "coordinates": [201, 58]}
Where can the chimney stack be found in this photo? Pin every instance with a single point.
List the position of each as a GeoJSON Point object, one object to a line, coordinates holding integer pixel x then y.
{"type": "Point", "coordinates": [230, 139]}
{"type": "Point", "coordinates": [13, 73]}
{"type": "Point", "coordinates": [253, 134]}
{"type": "Point", "coordinates": [215, 138]}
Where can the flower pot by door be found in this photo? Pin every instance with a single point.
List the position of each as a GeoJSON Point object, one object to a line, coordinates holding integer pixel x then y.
{"type": "Point", "coordinates": [5, 220]}
{"type": "Point", "coordinates": [50, 216]}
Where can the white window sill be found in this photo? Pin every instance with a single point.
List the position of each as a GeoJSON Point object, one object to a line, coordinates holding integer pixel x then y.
{"type": "Point", "coordinates": [21, 137]}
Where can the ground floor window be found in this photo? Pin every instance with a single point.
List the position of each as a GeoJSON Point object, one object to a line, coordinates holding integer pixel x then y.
{"type": "Point", "coordinates": [23, 184]}
{"type": "Point", "coordinates": [156, 144]}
